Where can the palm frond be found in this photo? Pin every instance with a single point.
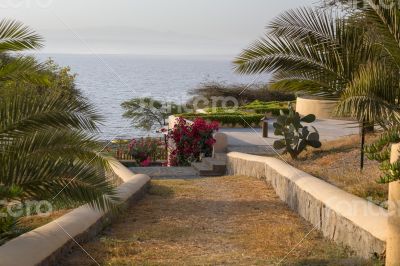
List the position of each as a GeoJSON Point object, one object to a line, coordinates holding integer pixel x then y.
{"type": "Point", "coordinates": [59, 181]}
{"type": "Point", "coordinates": [306, 84]}
{"type": "Point", "coordinates": [384, 17]}
{"type": "Point", "coordinates": [46, 150]}
{"type": "Point", "coordinates": [66, 144]}
{"type": "Point", "coordinates": [22, 69]}
{"type": "Point", "coordinates": [26, 114]}
{"type": "Point", "coordinates": [311, 46]}
{"type": "Point", "coordinates": [306, 24]}
{"type": "Point", "coordinates": [372, 95]}
{"type": "Point", "coordinates": [14, 36]}
{"type": "Point", "coordinates": [282, 54]}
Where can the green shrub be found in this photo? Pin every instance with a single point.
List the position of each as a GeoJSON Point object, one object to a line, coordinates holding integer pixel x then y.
{"type": "Point", "coordinates": [261, 107]}
{"type": "Point", "coordinates": [242, 92]}
{"type": "Point", "coordinates": [258, 107]}
{"type": "Point", "coordinates": [380, 151]}
{"type": "Point", "coordinates": [241, 119]}
{"type": "Point", "coordinates": [246, 116]}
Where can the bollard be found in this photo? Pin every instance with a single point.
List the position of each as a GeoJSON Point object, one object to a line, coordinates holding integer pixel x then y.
{"type": "Point", "coordinates": [264, 122]}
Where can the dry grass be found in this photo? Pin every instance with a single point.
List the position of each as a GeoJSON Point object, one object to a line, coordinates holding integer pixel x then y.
{"type": "Point", "coordinates": [338, 162]}
{"type": "Point", "coordinates": [214, 221]}
{"type": "Point", "coordinates": [33, 222]}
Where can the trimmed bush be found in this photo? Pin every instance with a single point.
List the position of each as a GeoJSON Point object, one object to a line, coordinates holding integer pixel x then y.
{"type": "Point", "coordinates": [258, 107]}
{"type": "Point", "coordinates": [261, 107]}
{"type": "Point", "coordinates": [242, 92]}
{"type": "Point", "coordinates": [236, 119]}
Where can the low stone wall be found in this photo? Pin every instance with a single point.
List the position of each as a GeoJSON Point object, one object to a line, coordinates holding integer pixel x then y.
{"type": "Point", "coordinates": [340, 216]}
{"type": "Point", "coordinates": [45, 245]}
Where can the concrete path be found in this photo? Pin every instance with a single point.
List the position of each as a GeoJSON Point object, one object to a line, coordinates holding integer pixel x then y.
{"type": "Point", "coordinates": [166, 172]}
{"type": "Point", "coordinates": [250, 140]}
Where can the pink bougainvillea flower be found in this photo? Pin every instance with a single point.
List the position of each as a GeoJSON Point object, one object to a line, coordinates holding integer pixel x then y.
{"type": "Point", "coordinates": [146, 162]}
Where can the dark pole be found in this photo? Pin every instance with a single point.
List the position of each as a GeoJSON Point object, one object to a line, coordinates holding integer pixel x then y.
{"type": "Point", "coordinates": [165, 139]}
{"type": "Point", "coordinates": [362, 145]}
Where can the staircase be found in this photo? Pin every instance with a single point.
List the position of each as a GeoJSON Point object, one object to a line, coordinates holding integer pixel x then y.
{"type": "Point", "coordinates": [215, 166]}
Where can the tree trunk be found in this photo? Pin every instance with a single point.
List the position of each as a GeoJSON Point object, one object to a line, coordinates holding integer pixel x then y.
{"type": "Point", "coordinates": [393, 230]}
{"type": "Point", "coordinates": [166, 143]}
{"type": "Point", "coordinates": [362, 133]}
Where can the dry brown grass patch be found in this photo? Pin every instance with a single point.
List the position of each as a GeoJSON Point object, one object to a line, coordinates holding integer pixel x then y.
{"type": "Point", "coordinates": [338, 162]}
{"type": "Point", "coordinates": [214, 221]}
{"type": "Point", "coordinates": [35, 221]}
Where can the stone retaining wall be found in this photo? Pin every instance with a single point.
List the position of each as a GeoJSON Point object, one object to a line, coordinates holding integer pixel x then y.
{"type": "Point", "coordinates": [340, 216]}
{"type": "Point", "coordinates": [45, 245]}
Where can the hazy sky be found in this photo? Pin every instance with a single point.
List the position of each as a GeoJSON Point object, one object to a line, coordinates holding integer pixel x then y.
{"type": "Point", "coordinates": [170, 27]}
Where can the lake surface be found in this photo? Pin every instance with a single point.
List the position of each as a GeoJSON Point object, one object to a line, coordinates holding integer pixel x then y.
{"type": "Point", "coordinates": [109, 80]}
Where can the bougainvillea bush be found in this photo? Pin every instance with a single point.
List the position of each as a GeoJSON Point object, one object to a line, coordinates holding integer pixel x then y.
{"type": "Point", "coordinates": [143, 150]}
{"type": "Point", "coordinates": [190, 140]}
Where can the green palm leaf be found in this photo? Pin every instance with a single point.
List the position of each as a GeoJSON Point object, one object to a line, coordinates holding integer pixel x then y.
{"type": "Point", "coordinates": [45, 151]}
{"type": "Point", "coordinates": [14, 36]}
{"type": "Point", "coordinates": [323, 53]}
{"type": "Point", "coordinates": [47, 145]}
{"type": "Point", "coordinates": [28, 113]}
{"type": "Point", "coordinates": [308, 47]}
{"type": "Point", "coordinates": [22, 69]}
{"type": "Point", "coordinates": [372, 95]}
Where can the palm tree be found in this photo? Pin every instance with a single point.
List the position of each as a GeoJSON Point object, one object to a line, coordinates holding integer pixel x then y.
{"type": "Point", "coordinates": [323, 53]}
{"type": "Point", "coordinates": [314, 51]}
{"type": "Point", "coordinates": [374, 88]}
{"type": "Point", "coordinates": [47, 146]}
{"type": "Point", "coordinates": [384, 18]}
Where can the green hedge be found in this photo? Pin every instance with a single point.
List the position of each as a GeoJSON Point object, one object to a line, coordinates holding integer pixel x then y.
{"type": "Point", "coordinates": [257, 107]}
{"type": "Point", "coordinates": [244, 120]}
{"type": "Point", "coordinates": [245, 116]}
{"type": "Point", "coordinates": [260, 107]}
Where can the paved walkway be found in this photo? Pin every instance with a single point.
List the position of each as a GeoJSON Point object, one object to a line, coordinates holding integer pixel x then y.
{"type": "Point", "coordinates": [212, 221]}
{"type": "Point", "coordinates": [166, 172]}
{"type": "Point", "coordinates": [250, 140]}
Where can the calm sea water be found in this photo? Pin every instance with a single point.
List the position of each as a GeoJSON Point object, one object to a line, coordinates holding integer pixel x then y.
{"type": "Point", "coordinates": [108, 80]}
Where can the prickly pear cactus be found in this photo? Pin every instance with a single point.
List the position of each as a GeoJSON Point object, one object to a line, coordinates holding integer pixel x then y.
{"type": "Point", "coordinates": [296, 136]}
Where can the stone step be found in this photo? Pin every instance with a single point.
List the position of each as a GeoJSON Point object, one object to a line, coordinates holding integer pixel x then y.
{"type": "Point", "coordinates": [220, 156]}
{"type": "Point", "coordinates": [167, 172]}
{"type": "Point", "coordinates": [212, 166]}
{"type": "Point", "coordinates": [204, 169]}
{"type": "Point", "coordinates": [218, 166]}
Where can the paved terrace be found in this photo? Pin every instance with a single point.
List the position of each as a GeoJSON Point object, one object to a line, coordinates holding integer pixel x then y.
{"type": "Point", "coordinates": [250, 140]}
